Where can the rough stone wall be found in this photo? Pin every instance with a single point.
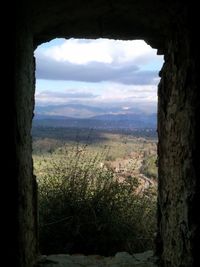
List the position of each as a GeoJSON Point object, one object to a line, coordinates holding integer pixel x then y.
{"type": "Point", "coordinates": [23, 107]}
{"type": "Point", "coordinates": [178, 109]}
{"type": "Point", "coordinates": [177, 126]}
{"type": "Point", "coordinates": [116, 19]}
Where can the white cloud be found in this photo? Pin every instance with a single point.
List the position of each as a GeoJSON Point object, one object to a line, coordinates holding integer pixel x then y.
{"type": "Point", "coordinates": [110, 93]}
{"type": "Point", "coordinates": [126, 93]}
{"type": "Point", "coordinates": [126, 70]}
{"type": "Point", "coordinates": [124, 73]}
{"type": "Point", "coordinates": [80, 51]}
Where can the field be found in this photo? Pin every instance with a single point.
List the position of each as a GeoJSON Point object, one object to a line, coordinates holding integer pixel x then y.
{"type": "Point", "coordinates": [108, 182]}
{"type": "Point", "coordinates": [134, 152]}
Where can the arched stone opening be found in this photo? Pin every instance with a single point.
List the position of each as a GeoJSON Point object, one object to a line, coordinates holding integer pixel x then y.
{"type": "Point", "coordinates": [111, 102]}
{"type": "Point", "coordinates": [165, 26]}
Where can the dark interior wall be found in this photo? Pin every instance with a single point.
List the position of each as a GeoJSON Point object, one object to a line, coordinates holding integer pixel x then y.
{"type": "Point", "coordinates": [23, 113]}
{"type": "Point", "coordinates": [177, 151]}
{"type": "Point", "coordinates": [165, 26]}
{"type": "Point", "coordinates": [131, 19]}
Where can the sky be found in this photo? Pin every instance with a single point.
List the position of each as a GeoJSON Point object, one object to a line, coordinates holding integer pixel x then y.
{"type": "Point", "coordinates": [98, 73]}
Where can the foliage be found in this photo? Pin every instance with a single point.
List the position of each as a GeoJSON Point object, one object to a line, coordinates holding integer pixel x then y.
{"type": "Point", "coordinates": [84, 208]}
{"type": "Point", "coordinates": [149, 167]}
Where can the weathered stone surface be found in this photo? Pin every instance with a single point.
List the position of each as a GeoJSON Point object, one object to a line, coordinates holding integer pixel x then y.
{"type": "Point", "coordinates": [102, 18]}
{"type": "Point", "coordinates": [23, 107]}
{"type": "Point", "coordinates": [121, 259]}
{"type": "Point", "coordinates": [167, 26]}
{"type": "Point", "coordinates": [176, 130]}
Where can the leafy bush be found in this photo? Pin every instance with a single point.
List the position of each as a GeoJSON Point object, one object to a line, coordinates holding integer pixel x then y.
{"type": "Point", "coordinates": [149, 167]}
{"type": "Point", "coordinates": [84, 208]}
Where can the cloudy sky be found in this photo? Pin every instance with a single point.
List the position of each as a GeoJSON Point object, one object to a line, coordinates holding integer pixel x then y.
{"type": "Point", "coordinates": [97, 73]}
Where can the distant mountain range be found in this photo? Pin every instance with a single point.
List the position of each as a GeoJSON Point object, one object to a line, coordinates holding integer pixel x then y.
{"type": "Point", "coordinates": [87, 111]}
{"type": "Point", "coordinates": [95, 117]}
{"type": "Point", "coordinates": [105, 121]}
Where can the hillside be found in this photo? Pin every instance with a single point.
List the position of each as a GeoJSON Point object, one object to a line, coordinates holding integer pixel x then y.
{"type": "Point", "coordinates": [105, 121]}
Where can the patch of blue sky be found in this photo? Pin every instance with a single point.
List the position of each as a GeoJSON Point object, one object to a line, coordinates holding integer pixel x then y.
{"type": "Point", "coordinates": [51, 43]}
{"type": "Point", "coordinates": [154, 65]}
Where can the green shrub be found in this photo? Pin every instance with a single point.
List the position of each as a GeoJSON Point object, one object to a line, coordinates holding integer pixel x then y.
{"type": "Point", "coordinates": [149, 167]}
{"type": "Point", "coordinates": [83, 208]}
